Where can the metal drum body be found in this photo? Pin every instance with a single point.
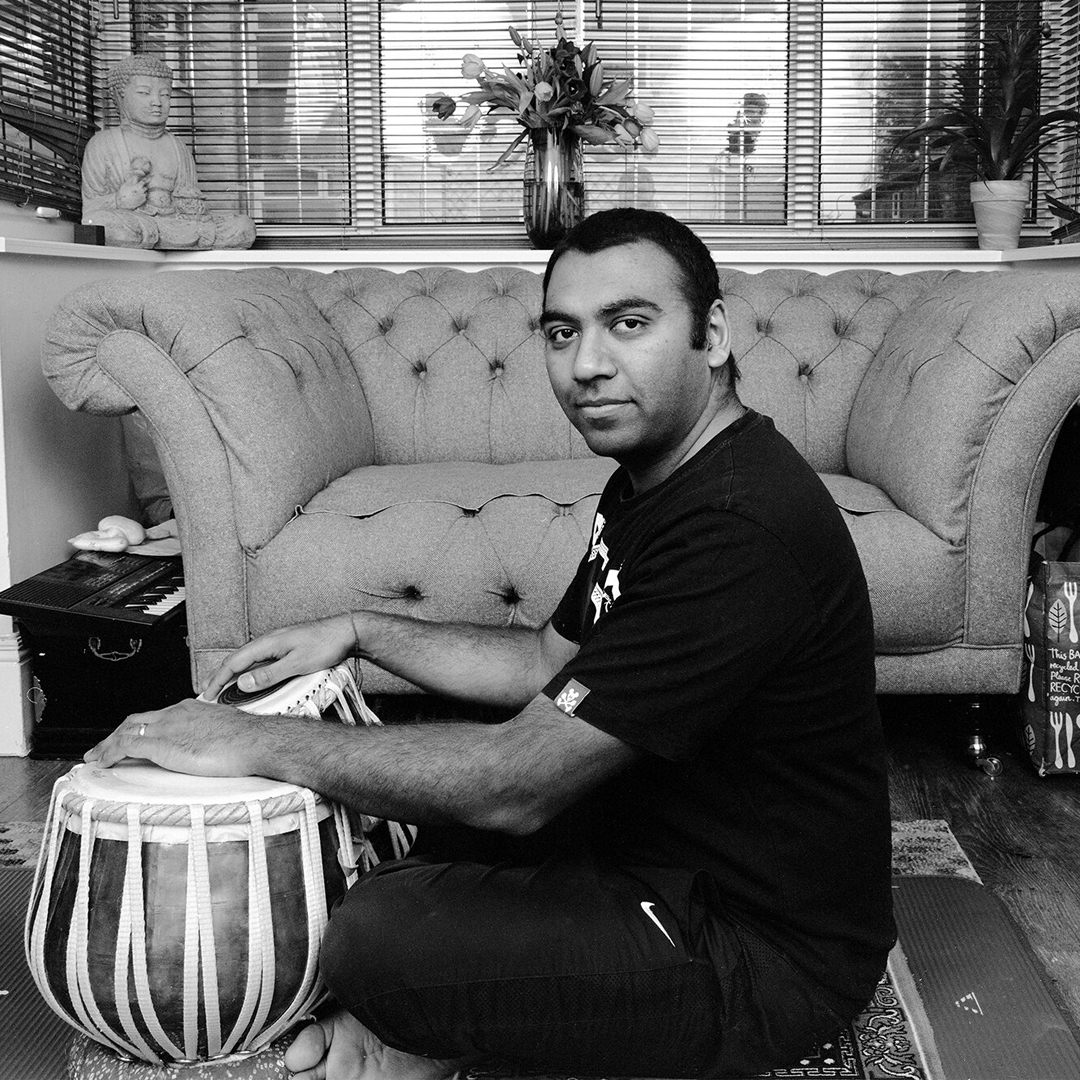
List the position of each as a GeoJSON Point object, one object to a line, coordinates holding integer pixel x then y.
{"type": "Point", "coordinates": [179, 918]}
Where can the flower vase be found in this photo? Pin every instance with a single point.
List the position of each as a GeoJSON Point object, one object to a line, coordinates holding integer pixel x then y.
{"type": "Point", "coordinates": [554, 186]}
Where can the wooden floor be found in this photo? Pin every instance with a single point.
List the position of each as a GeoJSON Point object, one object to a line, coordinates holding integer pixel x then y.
{"type": "Point", "coordinates": [1021, 832]}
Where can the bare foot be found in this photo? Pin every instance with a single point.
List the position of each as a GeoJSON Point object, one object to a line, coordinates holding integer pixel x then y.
{"type": "Point", "coordinates": [341, 1048]}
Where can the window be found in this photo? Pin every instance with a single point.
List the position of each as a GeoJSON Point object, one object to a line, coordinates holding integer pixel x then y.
{"type": "Point", "coordinates": [777, 118]}
{"type": "Point", "coordinates": [46, 101]}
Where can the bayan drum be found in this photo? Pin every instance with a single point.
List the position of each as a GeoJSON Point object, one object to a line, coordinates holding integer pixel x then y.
{"type": "Point", "coordinates": [179, 918]}
{"type": "Point", "coordinates": [329, 693]}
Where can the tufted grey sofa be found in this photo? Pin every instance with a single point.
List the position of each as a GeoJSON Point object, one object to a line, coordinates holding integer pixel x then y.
{"type": "Point", "coordinates": [365, 438]}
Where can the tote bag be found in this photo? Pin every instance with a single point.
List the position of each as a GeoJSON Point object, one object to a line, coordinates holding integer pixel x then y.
{"type": "Point", "coordinates": [1050, 694]}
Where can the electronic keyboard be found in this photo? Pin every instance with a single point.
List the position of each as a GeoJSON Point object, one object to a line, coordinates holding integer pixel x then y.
{"type": "Point", "coordinates": [95, 587]}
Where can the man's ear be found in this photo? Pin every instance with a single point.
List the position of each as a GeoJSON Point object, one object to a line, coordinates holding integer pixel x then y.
{"type": "Point", "coordinates": [718, 334]}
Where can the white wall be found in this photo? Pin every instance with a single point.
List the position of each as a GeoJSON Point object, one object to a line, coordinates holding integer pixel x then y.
{"type": "Point", "coordinates": [62, 470]}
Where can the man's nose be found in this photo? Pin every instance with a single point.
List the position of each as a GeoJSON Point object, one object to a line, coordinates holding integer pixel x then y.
{"type": "Point", "coordinates": [592, 359]}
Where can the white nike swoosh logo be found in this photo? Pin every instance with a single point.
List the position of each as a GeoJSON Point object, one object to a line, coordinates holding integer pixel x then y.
{"type": "Point", "coordinates": [647, 906]}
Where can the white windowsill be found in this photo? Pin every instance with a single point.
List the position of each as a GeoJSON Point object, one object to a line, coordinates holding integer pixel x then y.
{"type": "Point", "coordinates": [20, 245]}
{"type": "Point", "coordinates": [822, 260]}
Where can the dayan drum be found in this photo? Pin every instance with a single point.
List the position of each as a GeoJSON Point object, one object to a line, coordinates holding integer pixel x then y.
{"type": "Point", "coordinates": [179, 918]}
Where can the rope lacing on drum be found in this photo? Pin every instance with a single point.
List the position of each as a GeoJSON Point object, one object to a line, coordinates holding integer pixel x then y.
{"type": "Point", "coordinates": [131, 946]}
{"type": "Point", "coordinates": [37, 918]}
{"type": "Point", "coordinates": [311, 989]}
{"type": "Point", "coordinates": [261, 964]}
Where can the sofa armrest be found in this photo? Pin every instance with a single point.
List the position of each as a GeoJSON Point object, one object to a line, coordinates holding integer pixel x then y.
{"type": "Point", "coordinates": [248, 393]}
{"type": "Point", "coordinates": [1006, 489]}
{"type": "Point", "coordinates": [956, 419]}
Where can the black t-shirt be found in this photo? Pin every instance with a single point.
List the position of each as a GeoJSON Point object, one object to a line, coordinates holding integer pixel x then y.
{"type": "Point", "coordinates": [725, 629]}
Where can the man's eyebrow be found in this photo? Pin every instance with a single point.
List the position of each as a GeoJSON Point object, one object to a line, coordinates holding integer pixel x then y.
{"type": "Point", "coordinates": [550, 315]}
{"type": "Point", "coordinates": [629, 303]}
{"type": "Point", "coordinates": [608, 311]}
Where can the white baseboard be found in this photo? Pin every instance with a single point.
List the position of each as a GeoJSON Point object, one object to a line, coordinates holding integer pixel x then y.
{"type": "Point", "coordinates": [16, 701]}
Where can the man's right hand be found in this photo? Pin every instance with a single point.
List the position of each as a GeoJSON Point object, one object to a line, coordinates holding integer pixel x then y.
{"type": "Point", "coordinates": [283, 654]}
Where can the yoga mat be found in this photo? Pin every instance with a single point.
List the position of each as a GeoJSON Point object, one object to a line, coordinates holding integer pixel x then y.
{"type": "Point", "coordinates": [984, 990]}
{"type": "Point", "coordinates": [33, 1039]}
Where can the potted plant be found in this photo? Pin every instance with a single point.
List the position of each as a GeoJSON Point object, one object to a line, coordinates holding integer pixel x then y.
{"type": "Point", "coordinates": [993, 130]}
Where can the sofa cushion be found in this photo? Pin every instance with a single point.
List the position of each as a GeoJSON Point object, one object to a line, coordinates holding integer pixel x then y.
{"type": "Point", "coordinates": [452, 540]}
{"type": "Point", "coordinates": [804, 341]}
{"type": "Point", "coordinates": [452, 363]}
{"type": "Point", "coordinates": [916, 579]}
{"type": "Point", "coordinates": [497, 544]}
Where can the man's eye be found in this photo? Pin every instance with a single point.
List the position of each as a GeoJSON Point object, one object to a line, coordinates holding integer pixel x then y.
{"type": "Point", "coordinates": [559, 335]}
{"type": "Point", "coordinates": [630, 322]}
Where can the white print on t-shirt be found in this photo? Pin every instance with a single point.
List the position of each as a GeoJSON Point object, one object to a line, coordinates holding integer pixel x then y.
{"type": "Point", "coordinates": [603, 597]}
{"type": "Point", "coordinates": [571, 696]}
{"type": "Point", "coordinates": [598, 546]}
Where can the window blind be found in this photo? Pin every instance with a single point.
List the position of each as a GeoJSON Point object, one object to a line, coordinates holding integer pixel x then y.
{"type": "Point", "coordinates": [887, 67]}
{"type": "Point", "coordinates": [46, 101]}
{"type": "Point", "coordinates": [260, 95]}
{"type": "Point", "coordinates": [714, 73]}
{"type": "Point", "coordinates": [1062, 73]}
{"type": "Point", "coordinates": [778, 119]}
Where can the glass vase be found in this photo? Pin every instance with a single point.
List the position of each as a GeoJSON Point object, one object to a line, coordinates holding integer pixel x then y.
{"type": "Point", "coordinates": [554, 197]}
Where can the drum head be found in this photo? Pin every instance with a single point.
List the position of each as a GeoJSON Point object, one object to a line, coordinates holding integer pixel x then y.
{"type": "Point", "coordinates": [281, 697]}
{"type": "Point", "coordinates": [143, 782]}
{"type": "Point", "coordinates": [231, 694]}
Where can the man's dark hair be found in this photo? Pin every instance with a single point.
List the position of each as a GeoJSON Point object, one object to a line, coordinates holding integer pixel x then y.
{"type": "Point", "coordinates": [698, 278]}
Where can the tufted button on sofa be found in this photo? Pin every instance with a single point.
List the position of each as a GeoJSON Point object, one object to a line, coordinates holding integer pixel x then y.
{"type": "Point", "coordinates": [366, 438]}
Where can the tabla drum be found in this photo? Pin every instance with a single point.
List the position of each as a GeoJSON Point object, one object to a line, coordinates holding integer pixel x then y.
{"type": "Point", "coordinates": [331, 693]}
{"type": "Point", "coordinates": [177, 918]}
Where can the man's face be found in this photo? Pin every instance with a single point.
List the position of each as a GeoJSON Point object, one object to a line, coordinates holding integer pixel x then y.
{"type": "Point", "coordinates": [146, 100]}
{"type": "Point", "coordinates": [617, 331]}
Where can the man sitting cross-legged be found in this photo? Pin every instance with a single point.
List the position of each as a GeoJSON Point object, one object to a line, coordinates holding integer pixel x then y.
{"type": "Point", "coordinates": [675, 859]}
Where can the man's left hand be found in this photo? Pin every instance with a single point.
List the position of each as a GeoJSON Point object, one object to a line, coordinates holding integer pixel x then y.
{"type": "Point", "coordinates": [196, 737]}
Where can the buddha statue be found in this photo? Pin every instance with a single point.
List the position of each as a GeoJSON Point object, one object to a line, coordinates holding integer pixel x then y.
{"type": "Point", "coordinates": [139, 180]}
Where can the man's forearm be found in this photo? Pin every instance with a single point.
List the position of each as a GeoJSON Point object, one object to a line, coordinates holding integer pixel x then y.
{"type": "Point", "coordinates": [495, 665]}
{"type": "Point", "coordinates": [510, 777]}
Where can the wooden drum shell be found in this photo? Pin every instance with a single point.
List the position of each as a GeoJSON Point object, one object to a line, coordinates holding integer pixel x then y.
{"type": "Point", "coordinates": [286, 980]}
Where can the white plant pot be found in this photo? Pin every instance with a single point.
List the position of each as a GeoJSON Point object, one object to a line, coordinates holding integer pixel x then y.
{"type": "Point", "coordinates": [1000, 206]}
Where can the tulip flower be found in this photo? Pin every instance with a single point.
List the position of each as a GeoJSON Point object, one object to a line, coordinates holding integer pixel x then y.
{"type": "Point", "coordinates": [443, 107]}
{"type": "Point", "coordinates": [472, 67]}
{"type": "Point", "coordinates": [563, 88]}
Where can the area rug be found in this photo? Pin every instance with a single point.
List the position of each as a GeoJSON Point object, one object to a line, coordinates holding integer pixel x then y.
{"type": "Point", "coordinates": [20, 842]}
{"type": "Point", "coordinates": [963, 996]}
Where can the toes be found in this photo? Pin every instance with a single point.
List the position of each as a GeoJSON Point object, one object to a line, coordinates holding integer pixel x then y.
{"type": "Point", "coordinates": [306, 1056]}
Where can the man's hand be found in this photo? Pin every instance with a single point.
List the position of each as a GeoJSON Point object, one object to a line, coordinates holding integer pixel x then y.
{"type": "Point", "coordinates": [283, 654]}
{"type": "Point", "coordinates": [191, 737]}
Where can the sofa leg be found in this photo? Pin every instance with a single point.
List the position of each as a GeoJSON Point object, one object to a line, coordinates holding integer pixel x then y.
{"type": "Point", "coordinates": [978, 747]}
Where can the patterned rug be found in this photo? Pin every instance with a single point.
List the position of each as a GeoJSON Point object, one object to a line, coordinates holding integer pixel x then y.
{"type": "Point", "coordinates": [891, 1039]}
{"type": "Point", "coordinates": [20, 842]}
